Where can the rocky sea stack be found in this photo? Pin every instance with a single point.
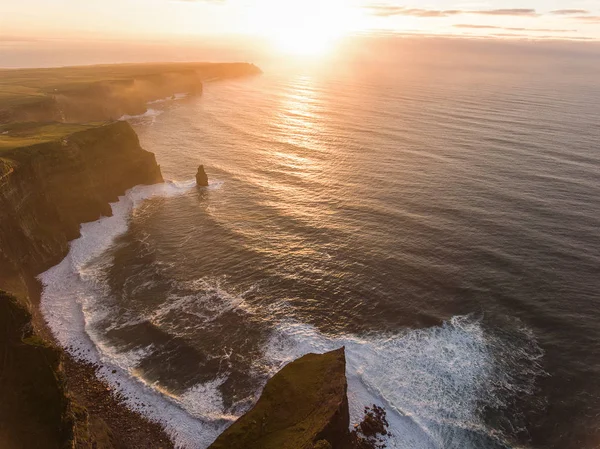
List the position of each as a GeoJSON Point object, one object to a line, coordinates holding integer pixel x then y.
{"type": "Point", "coordinates": [201, 177]}
{"type": "Point", "coordinates": [304, 406]}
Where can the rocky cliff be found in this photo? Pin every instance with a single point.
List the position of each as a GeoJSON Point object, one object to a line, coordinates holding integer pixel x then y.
{"type": "Point", "coordinates": [52, 179]}
{"type": "Point", "coordinates": [61, 164]}
{"type": "Point", "coordinates": [302, 407]}
{"type": "Point", "coordinates": [34, 411]}
{"type": "Point", "coordinates": [48, 189]}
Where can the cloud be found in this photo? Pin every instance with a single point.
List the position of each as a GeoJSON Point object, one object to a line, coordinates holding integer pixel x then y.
{"type": "Point", "coordinates": [588, 19]}
{"type": "Point", "coordinates": [392, 10]}
{"type": "Point", "coordinates": [491, 27]}
{"type": "Point", "coordinates": [567, 12]}
{"type": "Point", "coordinates": [506, 12]}
{"type": "Point", "coordinates": [13, 39]}
{"type": "Point", "coordinates": [545, 37]}
{"type": "Point", "coordinates": [389, 10]}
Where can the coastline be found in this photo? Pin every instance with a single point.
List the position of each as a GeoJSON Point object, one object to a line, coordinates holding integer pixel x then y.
{"type": "Point", "coordinates": [109, 421]}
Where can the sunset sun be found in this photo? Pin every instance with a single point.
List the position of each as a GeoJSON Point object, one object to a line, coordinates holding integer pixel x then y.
{"type": "Point", "coordinates": [307, 29]}
{"type": "Point", "coordinates": [304, 42]}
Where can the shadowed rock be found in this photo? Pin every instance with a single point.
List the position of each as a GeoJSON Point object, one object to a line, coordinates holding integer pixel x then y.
{"type": "Point", "coordinates": [201, 177]}
{"type": "Point", "coordinates": [302, 407]}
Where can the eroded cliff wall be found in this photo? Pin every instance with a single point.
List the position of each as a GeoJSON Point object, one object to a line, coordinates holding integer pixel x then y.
{"type": "Point", "coordinates": [47, 190]}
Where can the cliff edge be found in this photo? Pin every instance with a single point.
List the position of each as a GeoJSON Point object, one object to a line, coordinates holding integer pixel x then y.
{"type": "Point", "coordinates": [53, 177]}
{"type": "Point", "coordinates": [303, 406]}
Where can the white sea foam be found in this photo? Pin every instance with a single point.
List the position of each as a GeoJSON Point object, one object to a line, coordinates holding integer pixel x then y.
{"type": "Point", "coordinates": [177, 96]}
{"type": "Point", "coordinates": [432, 381]}
{"type": "Point", "coordinates": [69, 303]}
{"type": "Point", "coordinates": [150, 113]}
{"type": "Point", "coordinates": [209, 302]}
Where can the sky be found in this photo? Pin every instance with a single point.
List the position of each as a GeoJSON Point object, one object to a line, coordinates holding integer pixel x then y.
{"type": "Point", "coordinates": [296, 25]}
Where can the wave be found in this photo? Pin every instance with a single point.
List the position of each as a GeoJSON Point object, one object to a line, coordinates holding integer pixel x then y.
{"type": "Point", "coordinates": [437, 384]}
{"type": "Point", "coordinates": [150, 113]}
{"type": "Point", "coordinates": [175, 97]}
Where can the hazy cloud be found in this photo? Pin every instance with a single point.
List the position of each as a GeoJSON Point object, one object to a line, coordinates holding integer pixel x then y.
{"type": "Point", "coordinates": [566, 12]}
{"type": "Point", "coordinates": [12, 39]}
{"type": "Point", "coordinates": [545, 37]}
{"type": "Point", "coordinates": [391, 10]}
{"type": "Point", "coordinates": [491, 27]}
{"type": "Point", "coordinates": [507, 12]}
{"type": "Point", "coordinates": [588, 19]}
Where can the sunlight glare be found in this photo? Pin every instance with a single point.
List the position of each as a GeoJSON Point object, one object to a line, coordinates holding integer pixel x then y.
{"type": "Point", "coordinates": [308, 29]}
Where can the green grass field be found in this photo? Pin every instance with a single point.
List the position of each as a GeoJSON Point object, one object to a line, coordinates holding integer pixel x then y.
{"type": "Point", "coordinates": [20, 135]}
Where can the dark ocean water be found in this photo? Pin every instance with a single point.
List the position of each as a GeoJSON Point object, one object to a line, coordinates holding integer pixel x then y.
{"type": "Point", "coordinates": [443, 223]}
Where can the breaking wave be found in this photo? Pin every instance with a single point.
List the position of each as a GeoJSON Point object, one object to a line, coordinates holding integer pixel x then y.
{"type": "Point", "coordinates": [149, 114]}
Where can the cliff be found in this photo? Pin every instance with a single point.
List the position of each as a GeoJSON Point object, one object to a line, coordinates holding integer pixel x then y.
{"type": "Point", "coordinates": [96, 93]}
{"type": "Point", "coordinates": [302, 407]}
{"type": "Point", "coordinates": [52, 178]}
{"type": "Point", "coordinates": [35, 411]}
{"type": "Point", "coordinates": [48, 189]}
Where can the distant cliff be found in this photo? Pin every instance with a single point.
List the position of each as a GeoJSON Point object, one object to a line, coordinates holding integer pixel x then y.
{"type": "Point", "coordinates": [304, 406]}
{"type": "Point", "coordinates": [97, 93]}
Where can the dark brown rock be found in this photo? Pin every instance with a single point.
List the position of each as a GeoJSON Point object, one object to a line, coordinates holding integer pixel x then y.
{"type": "Point", "coordinates": [201, 177]}
{"type": "Point", "coordinates": [304, 405]}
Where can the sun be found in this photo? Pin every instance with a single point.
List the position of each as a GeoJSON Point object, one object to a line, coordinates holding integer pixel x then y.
{"type": "Point", "coordinates": [305, 28]}
{"type": "Point", "coordinates": [302, 42]}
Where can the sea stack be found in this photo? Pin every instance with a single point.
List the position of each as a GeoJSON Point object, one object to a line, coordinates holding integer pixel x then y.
{"type": "Point", "coordinates": [201, 177]}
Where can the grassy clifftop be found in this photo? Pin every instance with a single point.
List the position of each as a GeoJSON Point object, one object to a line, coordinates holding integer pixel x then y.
{"type": "Point", "coordinates": [26, 135]}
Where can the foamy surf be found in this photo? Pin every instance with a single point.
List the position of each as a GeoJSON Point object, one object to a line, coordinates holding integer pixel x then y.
{"type": "Point", "coordinates": [175, 97]}
{"type": "Point", "coordinates": [434, 383]}
{"type": "Point", "coordinates": [70, 302]}
{"type": "Point", "coordinates": [150, 113]}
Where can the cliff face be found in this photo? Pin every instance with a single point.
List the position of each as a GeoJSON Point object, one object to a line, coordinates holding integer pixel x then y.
{"type": "Point", "coordinates": [47, 190]}
{"type": "Point", "coordinates": [302, 407]}
{"type": "Point", "coordinates": [34, 412]}
{"type": "Point", "coordinates": [96, 93]}
{"type": "Point", "coordinates": [55, 175]}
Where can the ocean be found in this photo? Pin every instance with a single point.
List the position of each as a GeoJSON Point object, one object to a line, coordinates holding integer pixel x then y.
{"type": "Point", "coordinates": [437, 216]}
